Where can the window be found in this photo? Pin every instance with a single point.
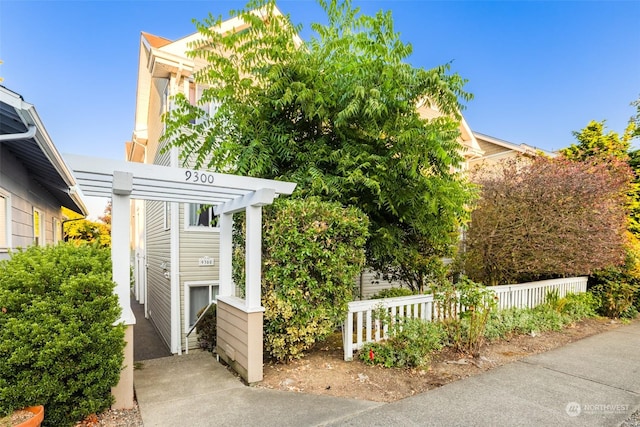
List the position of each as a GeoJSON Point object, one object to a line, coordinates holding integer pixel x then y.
{"type": "Point", "coordinates": [167, 215]}
{"type": "Point", "coordinates": [5, 220]}
{"type": "Point", "coordinates": [57, 230]}
{"type": "Point", "coordinates": [200, 217]}
{"type": "Point", "coordinates": [195, 95]}
{"type": "Point", "coordinates": [38, 228]}
{"type": "Point", "coordinates": [165, 105]}
{"type": "Point", "coordinates": [197, 296]}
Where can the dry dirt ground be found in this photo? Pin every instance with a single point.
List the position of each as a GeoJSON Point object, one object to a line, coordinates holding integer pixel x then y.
{"type": "Point", "coordinates": [323, 370]}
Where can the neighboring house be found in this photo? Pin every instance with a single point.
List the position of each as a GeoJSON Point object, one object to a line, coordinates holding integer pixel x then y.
{"type": "Point", "coordinates": [496, 150]}
{"type": "Point", "coordinates": [35, 182]}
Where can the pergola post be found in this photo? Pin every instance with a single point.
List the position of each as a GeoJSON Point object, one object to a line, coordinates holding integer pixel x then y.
{"type": "Point", "coordinates": [226, 255]}
{"type": "Point", "coordinates": [253, 257]}
{"type": "Point", "coordinates": [120, 227]}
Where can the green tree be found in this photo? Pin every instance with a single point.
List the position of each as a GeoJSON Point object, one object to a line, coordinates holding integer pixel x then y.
{"type": "Point", "coordinates": [78, 230]}
{"type": "Point", "coordinates": [337, 115]}
{"type": "Point", "coordinates": [594, 144]}
{"type": "Point", "coordinates": [616, 285]}
{"type": "Point", "coordinates": [636, 119]}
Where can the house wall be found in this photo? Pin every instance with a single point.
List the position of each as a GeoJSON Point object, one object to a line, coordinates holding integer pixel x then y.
{"type": "Point", "coordinates": [368, 285]}
{"type": "Point", "coordinates": [195, 244]}
{"type": "Point", "coordinates": [25, 194]}
{"type": "Point", "coordinates": [492, 149]}
{"type": "Point", "coordinates": [159, 262]}
{"type": "Point", "coordinates": [155, 126]}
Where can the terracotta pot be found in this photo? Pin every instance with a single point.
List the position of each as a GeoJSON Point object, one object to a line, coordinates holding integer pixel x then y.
{"type": "Point", "coordinates": [36, 420]}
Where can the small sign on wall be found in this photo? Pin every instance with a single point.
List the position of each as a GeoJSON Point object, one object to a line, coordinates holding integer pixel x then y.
{"type": "Point", "coordinates": [205, 261]}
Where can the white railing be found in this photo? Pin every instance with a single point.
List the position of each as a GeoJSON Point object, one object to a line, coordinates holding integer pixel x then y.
{"type": "Point", "coordinates": [369, 320]}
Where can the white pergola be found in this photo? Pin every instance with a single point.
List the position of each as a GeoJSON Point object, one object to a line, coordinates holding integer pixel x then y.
{"type": "Point", "coordinates": [122, 181]}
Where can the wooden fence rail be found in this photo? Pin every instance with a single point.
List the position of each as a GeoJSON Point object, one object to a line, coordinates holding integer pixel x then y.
{"type": "Point", "coordinates": [369, 320]}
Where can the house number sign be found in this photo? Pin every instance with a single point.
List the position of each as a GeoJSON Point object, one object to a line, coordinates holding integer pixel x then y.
{"type": "Point", "coordinates": [198, 177]}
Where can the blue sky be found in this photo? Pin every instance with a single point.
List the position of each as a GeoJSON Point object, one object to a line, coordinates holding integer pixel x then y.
{"type": "Point", "coordinates": [538, 69]}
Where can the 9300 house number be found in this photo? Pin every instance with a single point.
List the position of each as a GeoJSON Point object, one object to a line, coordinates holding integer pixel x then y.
{"type": "Point", "coordinates": [201, 177]}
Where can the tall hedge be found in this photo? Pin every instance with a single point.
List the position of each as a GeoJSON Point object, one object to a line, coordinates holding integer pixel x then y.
{"type": "Point", "coordinates": [312, 252]}
{"type": "Point", "coordinates": [58, 343]}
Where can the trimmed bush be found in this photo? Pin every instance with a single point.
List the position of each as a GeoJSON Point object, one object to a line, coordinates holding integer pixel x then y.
{"type": "Point", "coordinates": [58, 343]}
{"type": "Point", "coordinates": [312, 251]}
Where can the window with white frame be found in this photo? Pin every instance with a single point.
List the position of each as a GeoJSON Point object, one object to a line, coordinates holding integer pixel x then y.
{"type": "Point", "coordinates": [195, 98]}
{"type": "Point", "coordinates": [57, 230]}
{"type": "Point", "coordinates": [197, 295]}
{"type": "Point", "coordinates": [5, 220]}
{"type": "Point", "coordinates": [167, 215]}
{"type": "Point", "coordinates": [200, 217]}
{"type": "Point", "coordinates": [165, 105]}
{"type": "Point", "coordinates": [38, 227]}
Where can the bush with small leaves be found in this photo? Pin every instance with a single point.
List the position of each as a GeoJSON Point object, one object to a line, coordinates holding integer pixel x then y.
{"type": "Point", "coordinates": [58, 343]}
{"type": "Point", "coordinates": [312, 251]}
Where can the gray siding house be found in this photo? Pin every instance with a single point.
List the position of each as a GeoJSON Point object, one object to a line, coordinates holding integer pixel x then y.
{"type": "Point", "coordinates": [35, 182]}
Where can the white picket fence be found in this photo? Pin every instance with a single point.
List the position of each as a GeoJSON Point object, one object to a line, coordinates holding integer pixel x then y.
{"type": "Point", "coordinates": [363, 324]}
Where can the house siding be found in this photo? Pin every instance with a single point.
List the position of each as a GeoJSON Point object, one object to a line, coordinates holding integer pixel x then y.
{"type": "Point", "coordinates": [195, 244]}
{"type": "Point", "coordinates": [492, 149]}
{"type": "Point", "coordinates": [367, 285]}
{"type": "Point", "coordinates": [155, 125]}
{"type": "Point", "coordinates": [26, 194]}
{"type": "Point", "coordinates": [158, 261]}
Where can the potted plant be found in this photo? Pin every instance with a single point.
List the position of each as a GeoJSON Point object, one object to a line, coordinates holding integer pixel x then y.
{"type": "Point", "coordinates": [27, 417]}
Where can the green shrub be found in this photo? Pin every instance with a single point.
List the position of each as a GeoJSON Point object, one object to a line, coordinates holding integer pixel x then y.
{"type": "Point", "coordinates": [617, 298]}
{"type": "Point", "coordinates": [618, 288]}
{"type": "Point", "coordinates": [312, 251]}
{"type": "Point", "coordinates": [581, 306]}
{"type": "Point", "coordinates": [465, 328]}
{"type": "Point", "coordinates": [207, 328]}
{"type": "Point", "coordinates": [552, 315]}
{"type": "Point", "coordinates": [410, 344]}
{"type": "Point", "coordinates": [392, 293]}
{"type": "Point", "coordinates": [58, 345]}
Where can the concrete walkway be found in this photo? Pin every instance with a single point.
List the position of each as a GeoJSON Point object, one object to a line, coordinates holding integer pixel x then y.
{"type": "Point", "coordinates": [592, 382]}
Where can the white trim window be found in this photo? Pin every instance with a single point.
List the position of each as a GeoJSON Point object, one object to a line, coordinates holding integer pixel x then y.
{"type": "Point", "coordinates": [197, 295]}
{"type": "Point", "coordinates": [5, 221]}
{"type": "Point", "coordinates": [38, 227]}
{"type": "Point", "coordinates": [167, 215]}
{"type": "Point", "coordinates": [199, 217]}
{"type": "Point", "coordinates": [57, 231]}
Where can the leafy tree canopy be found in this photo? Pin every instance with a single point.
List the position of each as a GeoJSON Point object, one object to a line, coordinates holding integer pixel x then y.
{"type": "Point", "coordinates": [79, 230]}
{"type": "Point", "coordinates": [337, 115]}
{"type": "Point", "coordinates": [593, 143]}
